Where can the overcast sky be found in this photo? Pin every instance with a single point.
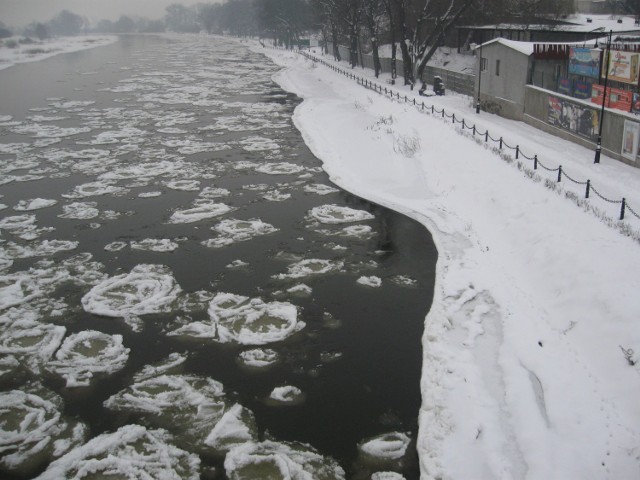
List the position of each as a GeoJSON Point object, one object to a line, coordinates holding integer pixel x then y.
{"type": "Point", "coordinates": [23, 12]}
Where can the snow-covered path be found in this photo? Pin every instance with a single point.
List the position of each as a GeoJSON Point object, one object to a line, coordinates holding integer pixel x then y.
{"type": "Point", "coordinates": [524, 374]}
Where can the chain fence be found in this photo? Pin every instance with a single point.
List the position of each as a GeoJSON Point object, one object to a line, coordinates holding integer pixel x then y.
{"type": "Point", "coordinates": [501, 143]}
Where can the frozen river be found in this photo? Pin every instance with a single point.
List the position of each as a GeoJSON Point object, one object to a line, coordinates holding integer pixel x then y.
{"type": "Point", "coordinates": [183, 288]}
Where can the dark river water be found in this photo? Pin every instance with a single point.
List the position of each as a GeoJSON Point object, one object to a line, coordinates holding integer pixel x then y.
{"type": "Point", "coordinates": [160, 208]}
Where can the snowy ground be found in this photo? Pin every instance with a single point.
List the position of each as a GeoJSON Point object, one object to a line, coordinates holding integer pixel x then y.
{"type": "Point", "coordinates": [525, 373]}
{"type": "Point", "coordinates": [39, 50]}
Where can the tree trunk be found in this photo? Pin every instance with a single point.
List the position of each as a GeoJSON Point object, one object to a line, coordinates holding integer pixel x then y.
{"type": "Point", "coordinates": [377, 67]}
{"type": "Point", "coordinates": [334, 40]}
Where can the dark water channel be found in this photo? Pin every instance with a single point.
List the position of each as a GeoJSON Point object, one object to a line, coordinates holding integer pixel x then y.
{"type": "Point", "coordinates": [174, 119]}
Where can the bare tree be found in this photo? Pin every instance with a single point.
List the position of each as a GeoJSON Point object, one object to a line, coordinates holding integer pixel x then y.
{"type": "Point", "coordinates": [373, 14]}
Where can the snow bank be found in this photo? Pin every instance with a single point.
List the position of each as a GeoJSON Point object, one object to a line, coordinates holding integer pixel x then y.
{"type": "Point", "coordinates": [533, 293]}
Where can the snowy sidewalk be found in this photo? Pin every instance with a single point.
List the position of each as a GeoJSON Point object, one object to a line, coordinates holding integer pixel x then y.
{"type": "Point", "coordinates": [524, 373]}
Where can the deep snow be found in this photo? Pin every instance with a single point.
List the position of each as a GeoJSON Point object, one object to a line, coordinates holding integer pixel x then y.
{"type": "Point", "coordinates": [524, 373]}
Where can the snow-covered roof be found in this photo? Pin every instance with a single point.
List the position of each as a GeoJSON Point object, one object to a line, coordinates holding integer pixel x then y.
{"type": "Point", "coordinates": [575, 24]}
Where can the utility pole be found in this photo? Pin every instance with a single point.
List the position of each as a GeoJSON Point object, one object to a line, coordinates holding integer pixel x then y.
{"type": "Point", "coordinates": [605, 64]}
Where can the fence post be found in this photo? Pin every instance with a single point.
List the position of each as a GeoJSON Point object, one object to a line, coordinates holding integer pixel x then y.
{"type": "Point", "coordinates": [486, 136]}
{"type": "Point", "coordinates": [586, 193]}
{"type": "Point", "coordinates": [535, 162]}
{"type": "Point", "coordinates": [414, 101]}
{"type": "Point", "coordinates": [560, 173]}
{"type": "Point", "coordinates": [432, 109]}
{"type": "Point", "coordinates": [500, 143]}
{"type": "Point", "coordinates": [453, 118]}
{"type": "Point", "coordinates": [624, 204]}
{"type": "Point", "coordinates": [443, 113]}
{"type": "Point", "coordinates": [422, 105]}
{"type": "Point", "coordinates": [474, 131]}
{"type": "Point", "coordinates": [463, 125]}
{"type": "Point", "coordinates": [517, 151]}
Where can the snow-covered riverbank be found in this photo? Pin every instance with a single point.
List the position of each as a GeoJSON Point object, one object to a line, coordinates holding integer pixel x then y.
{"type": "Point", "coordinates": [12, 51]}
{"type": "Point", "coordinates": [524, 367]}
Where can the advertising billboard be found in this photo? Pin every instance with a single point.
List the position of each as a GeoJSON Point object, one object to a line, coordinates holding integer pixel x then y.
{"type": "Point", "coordinates": [623, 66]}
{"type": "Point", "coordinates": [584, 61]}
{"type": "Point", "coordinates": [572, 117]}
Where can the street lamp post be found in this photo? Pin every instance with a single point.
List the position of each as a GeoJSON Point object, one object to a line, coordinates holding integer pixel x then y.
{"type": "Point", "coordinates": [479, 79]}
{"type": "Point", "coordinates": [604, 98]}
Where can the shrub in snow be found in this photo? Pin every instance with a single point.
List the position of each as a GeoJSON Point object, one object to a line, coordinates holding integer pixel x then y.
{"type": "Point", "coordinates": [406, 145]}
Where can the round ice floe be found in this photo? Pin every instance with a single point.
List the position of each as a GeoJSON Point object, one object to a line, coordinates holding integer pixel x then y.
{"type": "Point", "coordinates": [320, 189]}
{"type": "Point", "coordinates": [146, 289]}
{"type": "Point", "coordinates": [213, 192]}
{"type": "Point", "coordinates": [276, 196]}
{"type": "Point", "coordinates": [370, 281]}
{"type": "Point", "coordinates": [389, 446]}
{"type": "Point", "coordinates": [237, 264]}
{"type": "Point", "coordinates": [186, 185]}
{"type": "Point", "coordinates": [404, 280]}
{"type": "Point", "coordinates": [172, 364]}
{"type": "Point", "coordinates": [33, 430]}
{"type": "Point", "coordinates": [34, 204]}
{"type": "Point", "coordinates": [189, 406]}
{"type": "Point", "coordinates": [251, 321]}
{"type": "Point", "coordinates": [115, 246]}
{"type": "Point", "coordinates": [32, 342]}
{"type": "Point", "coordinates": [94, 189]}
{"type": "Point", "coordinates": [17, 222]}
{"type": "Point", "coordinates": [258, 358]}
{"type": "Point", "coordinates": [256, 144]}
{"type": "Point", "coordinates": [45, 248]}
{"type": "Point", "coordinates": [237, 426]}
{"type": "Point", "coordinates": [257, 461]}
{"type": "Point", "coordinates": [17, 289]}
{"type": "Point", "coordinates": [286, 395]}
{"type": "Point", "coordinates": [80, 210]}
{"type": "Point", "coordinates": [149, 194]}
{"type": "Point", "coordinates": [333, 214]}
{"type": "Point", "coordinates": [310, 266]}
{"type": "Point", "coordinates": [387, 476]}
{"type": "Point", "coordinates": [202, 210]}
{"type": "Point", "coordinates": [300, 289]}
{"type": "Point", "coordinates": [88, 353]}
{"type": "Point", "coordinates": [282, 168]}
{"type": "Point", "coordinates": [130, 452]}
{"type": "Point", "coordinates": [155, 245]}
{"type": "Point", "coordinates": [231, 230]}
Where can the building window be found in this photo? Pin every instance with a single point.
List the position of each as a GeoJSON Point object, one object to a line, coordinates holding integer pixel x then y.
{"type": "Point", "coordinates": [484, 64]}
{"type": "Point", "coordinates": [497, 68]}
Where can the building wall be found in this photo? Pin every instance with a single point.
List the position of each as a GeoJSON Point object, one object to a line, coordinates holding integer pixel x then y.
{"type": "Point", "coordinates": [536, 113]}
{"type": "Point", "coordinates": [503, 92]}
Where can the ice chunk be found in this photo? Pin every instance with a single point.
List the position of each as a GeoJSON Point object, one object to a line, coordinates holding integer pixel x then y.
{"type": "Point", "coordinates": [18, 223]}
{"type": "Point", "coordinates": [256, 144]}
{"type": "Point", "coordinates": [213, 192]}
{"type": "Point", "coordinates": [237, 264]}
{"type": "Point", "coordinates": [370, 281]}
{"type": "Point", "coordinates": [275, 460]}
{"type": "Point", "coordinates": [42, 249]}
{"type": "Point", "coordinates": [149, 194]}
{"type": "Point", "coordinates": [388, 446]}
{"type": "Point", "coordinates": [130, 452]}
{"type": "Point", "coordinates": [33, 430]}
{"type": "Point", "coordinates": [258, 358]}
{"type": "Point", "coordinates": [203, 209]}
{"type": "Point", "coordinates": [80, 210]}
{"type": "Point", "coordinates": [34, 204]}
{"type": "Point", "coordinates": [276, 196]}
{"type": "Point", "coordinates": [251, 321]}
{"type": "Point", "coordinates": [94, 189]}
{"type": "Point", "coordinates": [32, 342]}
{"type": "Point", "coordinates": [310, 266]}
{"type": "Point", "coordinates": [300, 289]}
{"type": "Point", "coordinates": [387, 476]}
{"type": "Point", "coordinates": [236, 426]}
{"type": "Point", "coordinates": [186, 185]}
{"type": "Point", "coordinates": [155, 245]}
{"type": "Point", "coordinates": [171, 364]}
{"type": "Point", "coordinates": [146, 289]}
{"type": "Point", "coordinates": [231, 230]}
{"type": "Point", "coordinates": [282, 168]}
{"type": "Point", "coordinates": [115, 246]}
{"type": "Point", "coordinates": [16, 289]}
{"type": "Point", "coordinates": [320, 189]}
{"type": "Point", "coordinates": [333, 214]}
{"type": "Point", "coordinates": [404, 280]}
{"type": "Point", "coordinates": [286, 395]}
{"type": "Point", "coordinates": [87, 353]}
{"type": "Point", "coordinates": [189, 406]}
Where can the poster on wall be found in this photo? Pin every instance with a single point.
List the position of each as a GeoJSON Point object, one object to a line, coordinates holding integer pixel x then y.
{"type": "Point", "coordinates": [584, 61]}
{"type": "Point", "coordinates": [572, 117]}
{"type": "Point", "coordinates": [630, 137]}
{"type": "Point", "coordinates": [623, 67]}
